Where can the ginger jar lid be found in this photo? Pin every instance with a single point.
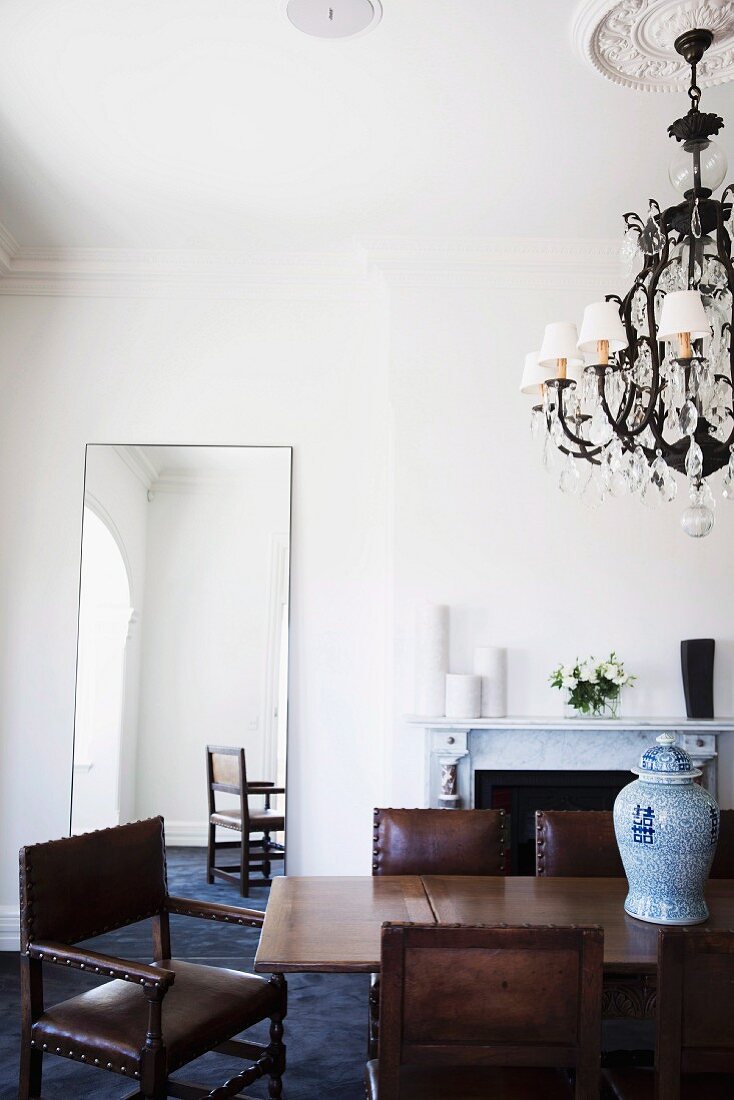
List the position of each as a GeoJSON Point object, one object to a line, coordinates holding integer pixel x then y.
{"type": "Point", "coordinates": [666, 761]}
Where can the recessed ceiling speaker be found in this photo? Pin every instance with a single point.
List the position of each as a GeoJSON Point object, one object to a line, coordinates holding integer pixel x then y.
{"type": "Point", "coordinates": [333, 18]}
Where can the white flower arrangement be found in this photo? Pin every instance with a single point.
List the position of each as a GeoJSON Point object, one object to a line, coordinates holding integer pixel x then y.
{"type": "Point", "coordinates": [593, 686]}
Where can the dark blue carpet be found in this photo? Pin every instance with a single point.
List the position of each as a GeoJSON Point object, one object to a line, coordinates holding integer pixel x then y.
{"type": "Point", "coordinates": [325, 1030]}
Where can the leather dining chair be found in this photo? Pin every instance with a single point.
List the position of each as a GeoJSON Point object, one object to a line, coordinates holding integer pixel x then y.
{"type": "Point", "coordinates": [432, 842]}
{"type": "Point", "coordinates": [723, 864]}
{"type": "Point", "coordinates": [694, 1048]}
{"type": "Point", "coordinates": [576, 844]}
{"type": "Point", "coordinates": [479, 1012]}
{"type": "Point", "coordinates": [438, 842]}
{"type": "Point", "coordinates": [147, 1019]}
{"type": "Point", "coordinates": [226, 772]}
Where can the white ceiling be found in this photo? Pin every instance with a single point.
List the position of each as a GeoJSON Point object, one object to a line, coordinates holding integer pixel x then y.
{"type": "Point", "coordinates": [214, 124]}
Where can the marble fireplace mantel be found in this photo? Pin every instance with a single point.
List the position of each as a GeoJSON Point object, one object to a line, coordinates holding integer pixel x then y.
{"type": "Point", "coordinates": [457, 748]}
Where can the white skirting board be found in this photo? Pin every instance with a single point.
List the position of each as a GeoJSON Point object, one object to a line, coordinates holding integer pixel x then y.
{"type": "Point", "coordinates": [9, 928]}
{"type": "Point", "coordinates": [188, 834]}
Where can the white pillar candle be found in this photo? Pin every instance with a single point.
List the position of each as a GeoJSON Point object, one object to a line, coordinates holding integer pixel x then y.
{"type": "Point", "coordinates": [463, 696]}
{"type": "Point", "coordinates": [431, 659]}
{"type": "Point", "coordinates": [490, 663]}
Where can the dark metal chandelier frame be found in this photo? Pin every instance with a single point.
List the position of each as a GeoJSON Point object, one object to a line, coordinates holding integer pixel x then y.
{"type": "Point", "coordinates": [689, 246]}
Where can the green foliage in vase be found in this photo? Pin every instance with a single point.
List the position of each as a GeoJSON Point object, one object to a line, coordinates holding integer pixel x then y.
{"type": "Point", "coordinates": [592, 685]}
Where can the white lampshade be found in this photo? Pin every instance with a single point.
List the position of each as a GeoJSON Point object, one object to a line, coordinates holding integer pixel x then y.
{"type": "Point", "coordinates": [560, 341]}
{"type": "Point", "coordinates": [602, 322]}
{"type": "Point", "coordinates": [533, 375]}
{"type": "Point", "coordinates": [683, 312]}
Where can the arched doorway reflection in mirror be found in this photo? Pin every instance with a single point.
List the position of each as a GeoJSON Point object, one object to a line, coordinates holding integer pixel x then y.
{"type": "Point", "coordinates": [105, 615]}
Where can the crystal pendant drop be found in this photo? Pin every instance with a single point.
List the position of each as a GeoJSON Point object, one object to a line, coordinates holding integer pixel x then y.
{"type": "Point", "coordinates": [557, 433]}
{"type": "Point", "coordinates": [705, 383]}
{"type": "Point", "coordinates": [694, 461]}
{"type": "Point", "coordinates": [639, 310]}
{"type": "Point", "coordinates": [569, 480]}
{"type": "Point", "coordinates": [697, 521]}
{"type": "Point", "coordinates": [698, 518]}
{"type": "Point", "coordinates": [688, 418]}
{"type": "Point", "coordinates": [630, 248]}
{"type": "Point", "coordinates": [727, 488]}
{"type": "Point", "coordinates": [696, 221]}
{"type": "Point", "coordinates": [642, 373]}
{"type": "Point", "coordinates": [660, 487]}
{"type": "Point", "coordinates": [614, 388]}
{"type": "Point", "coordinates": [614, 469]}
{"type": "Point", "coordinates": [600, 430]}
{"type": "Point", "coordinates": [638, 470]}
{"type": "Point", "coordinates": [677, 385]}
{"type": "Point", "coordinates": [536, 422]}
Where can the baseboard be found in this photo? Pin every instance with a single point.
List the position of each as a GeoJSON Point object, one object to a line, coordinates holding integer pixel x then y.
{"type": "Point", "coordinates": [9, 928]}
{"type": "Point", "coordinates": [186, 834]}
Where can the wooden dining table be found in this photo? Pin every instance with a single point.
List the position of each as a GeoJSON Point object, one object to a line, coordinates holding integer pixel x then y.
{"type": "Point", "coordinates": [333, 924]}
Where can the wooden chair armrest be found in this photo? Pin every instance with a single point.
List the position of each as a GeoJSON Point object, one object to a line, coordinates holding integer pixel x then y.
{"type": "Point", "coordinates": [260, 783]}
{"type": "Point", "coordinates": [210, 910]}
{"type": "Point", "coordinates": [105, 965]}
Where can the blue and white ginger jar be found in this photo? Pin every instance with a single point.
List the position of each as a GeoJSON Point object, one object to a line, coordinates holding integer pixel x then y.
{"type": "Point", "coordinates": [667, 827]}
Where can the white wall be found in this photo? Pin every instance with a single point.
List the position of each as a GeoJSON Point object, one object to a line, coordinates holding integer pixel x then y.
{"type": "Point", "coordinates": [480, 526]}
{"type": "Point", "coordinates": [260, 369]}
{"type": "Point", "coordinates": [413, 479]}
{"type": "Point", "coordinates": [205, 633]}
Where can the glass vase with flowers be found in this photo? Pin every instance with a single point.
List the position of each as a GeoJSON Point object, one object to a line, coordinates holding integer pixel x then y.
{"type": "Point", "coordinates": [593, 688]}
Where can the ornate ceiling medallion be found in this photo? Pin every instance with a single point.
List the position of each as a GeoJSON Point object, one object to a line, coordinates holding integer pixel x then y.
{"type": "Point", "coordinates": [631, 41]}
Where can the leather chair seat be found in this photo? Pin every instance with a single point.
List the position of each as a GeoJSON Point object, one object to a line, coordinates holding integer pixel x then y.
{"type": "Point", "coordinates": [475, 1083]}
{"type": "Point", "coordinates": [639, 1084]}
{"type": "Point", "coordinates": [106, 1026]}
{"type": "Point", "coordinates": [259, 819]}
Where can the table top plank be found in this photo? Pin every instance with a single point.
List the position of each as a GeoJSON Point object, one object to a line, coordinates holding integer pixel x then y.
{"type": "Point", "coordinates": [333, 925]}
{"type": "Point", "coordinates": [629, 944]}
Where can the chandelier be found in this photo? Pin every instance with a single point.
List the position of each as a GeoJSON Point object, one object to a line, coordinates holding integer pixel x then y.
{"type": "Point", "coordinates": [644, 392]}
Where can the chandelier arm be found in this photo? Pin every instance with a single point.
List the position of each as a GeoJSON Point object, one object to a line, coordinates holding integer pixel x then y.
{"type": "Point", "coordinates": [586, 451]}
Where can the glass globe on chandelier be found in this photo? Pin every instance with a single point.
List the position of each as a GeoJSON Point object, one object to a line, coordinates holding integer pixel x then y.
{"type": "Point", "coordinates": [644, 392]}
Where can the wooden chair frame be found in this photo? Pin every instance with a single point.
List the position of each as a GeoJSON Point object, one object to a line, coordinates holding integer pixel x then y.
{"type": "Point", "coordinates": [584, 1055]}
{"type": "Point", "coordinates": [152, 1082]}
{"type": "Point", "coordinates": [678, 949]}
{"type": "Point", "coordinates": [252, 856]}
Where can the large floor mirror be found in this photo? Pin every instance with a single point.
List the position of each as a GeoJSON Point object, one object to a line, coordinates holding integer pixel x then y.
{"type": "Point", "coordinates": [183, 640]}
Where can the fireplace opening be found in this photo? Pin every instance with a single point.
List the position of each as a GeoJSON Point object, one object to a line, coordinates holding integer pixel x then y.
{"type": "Point", "coordinates": [521, 793]}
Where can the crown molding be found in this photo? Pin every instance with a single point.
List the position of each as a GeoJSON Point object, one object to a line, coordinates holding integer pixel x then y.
{"type": "Point", "coordinates": [9, 249]}
{"type": "Point", "coordinates": [138, 463]}
{"type": "Point", "coordinates": [501, 262]}
{"type": "Point", "coordinates": [181, 273]}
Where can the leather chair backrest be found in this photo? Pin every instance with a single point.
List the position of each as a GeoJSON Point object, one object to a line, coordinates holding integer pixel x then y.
{"type": "Point", "coordinates": [470, 996]}
{"type": "Point", "coordinates": [723, 864]}
{"type": "Point", "coordinates": [438, 842]}
{"type": "Point", "coordinates": [577, 844]}
{"type": "Point", "coordinates": [82, 886]}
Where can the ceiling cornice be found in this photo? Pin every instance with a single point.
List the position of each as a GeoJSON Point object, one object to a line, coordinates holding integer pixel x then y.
{"type": "Point", "coordinates": [9, 249]}
{"type": "Point", "coordinates": [500, 262]}
{"type": "Point", "coordinates": [506, 262]}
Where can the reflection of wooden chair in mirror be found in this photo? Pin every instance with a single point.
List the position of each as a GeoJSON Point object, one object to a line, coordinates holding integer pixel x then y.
{"type": "Point", "coordinates": [226, 772]}
{"type": "Point", "coordinates": [151, 1019]}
